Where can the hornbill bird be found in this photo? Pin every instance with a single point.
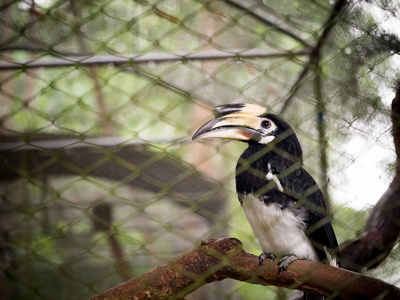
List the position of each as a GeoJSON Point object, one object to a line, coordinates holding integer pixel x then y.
{"type": "Point", "coordinates": [281, 201]}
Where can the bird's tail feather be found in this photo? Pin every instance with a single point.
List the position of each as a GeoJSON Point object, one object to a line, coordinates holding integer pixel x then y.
{"type": "Point", "coordinates": [331, 260]}
{"type": "Point", "coordinates": [312, 297]}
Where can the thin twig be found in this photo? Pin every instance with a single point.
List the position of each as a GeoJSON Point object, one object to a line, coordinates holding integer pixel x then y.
{"type": "Point", "coordinates": [267, 22]}
{"type": "Point", "coordinates": [314, 55]}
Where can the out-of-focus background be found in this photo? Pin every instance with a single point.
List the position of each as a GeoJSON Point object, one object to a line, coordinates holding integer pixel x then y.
{"type": "Point", "coordinates": [100, 180]}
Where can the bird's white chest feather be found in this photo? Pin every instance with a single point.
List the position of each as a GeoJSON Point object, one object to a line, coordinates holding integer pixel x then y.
{"type": "Point", "coordinates": [278, 231]}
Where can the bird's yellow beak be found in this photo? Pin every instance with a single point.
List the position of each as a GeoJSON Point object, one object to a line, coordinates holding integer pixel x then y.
{"type": "Point", "coordinates": [233, 121]}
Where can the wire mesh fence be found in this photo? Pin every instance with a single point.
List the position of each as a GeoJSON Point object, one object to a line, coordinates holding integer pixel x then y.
{"type": "Point", "coordinates": [100, 181]}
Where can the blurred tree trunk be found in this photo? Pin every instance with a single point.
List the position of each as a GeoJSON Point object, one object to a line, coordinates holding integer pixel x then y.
{"type": "Point", "coordinates": [5, 76]}
{"type": "Point", "coordinates": [382, 229]}
{"type": "Point", "coordinates": [201, 153]}
{"type": "Point", "coordinates": [102, 220]}
{"type": "Point", "coordinates": [5, 106]}
{"type": "Point", "coordinates": [94, 74]}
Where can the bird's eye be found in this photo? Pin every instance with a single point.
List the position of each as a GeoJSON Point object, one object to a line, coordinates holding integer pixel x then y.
{"type": "Point", "coordinates": [265, 124]}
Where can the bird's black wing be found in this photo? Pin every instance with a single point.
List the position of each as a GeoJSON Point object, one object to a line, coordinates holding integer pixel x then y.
{"type": "Point", "coordinates": [300, 185]}
{"type": "Point", "coordinates": [319, 229]}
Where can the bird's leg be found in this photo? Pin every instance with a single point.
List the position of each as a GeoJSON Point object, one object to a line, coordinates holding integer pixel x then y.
{"type": "Point", "coordinates": [286, 261]}
{"type": "Point", "coordinates": [265, 255]}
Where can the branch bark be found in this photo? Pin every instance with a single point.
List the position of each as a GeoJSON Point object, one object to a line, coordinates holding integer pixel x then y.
{"type": "Point", "coordinates": [383, 225]}
{"type": "Point", "coordinates": [219, 259]}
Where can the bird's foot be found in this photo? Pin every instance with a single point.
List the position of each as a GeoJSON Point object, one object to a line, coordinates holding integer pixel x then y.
{"type": "Point", "coordinates": [286, 261]}
{"type": "Point", "coordinates": [264, 256]}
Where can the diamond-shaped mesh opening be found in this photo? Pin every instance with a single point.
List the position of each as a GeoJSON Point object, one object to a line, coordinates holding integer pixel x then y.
{"type": "Point", "coordinates": [100, 180]}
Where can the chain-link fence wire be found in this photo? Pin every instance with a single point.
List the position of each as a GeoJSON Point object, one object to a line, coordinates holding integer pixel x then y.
{"type": "Point", "coordinates": [99, 99]}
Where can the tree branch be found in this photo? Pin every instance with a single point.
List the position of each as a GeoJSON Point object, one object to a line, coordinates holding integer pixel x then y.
{"type": "Point", "coordinates": [383, 225]}
{"type": "Point", "coordinates": [219, 259]}
{"type": "Point", "coordinates": [132, 59]}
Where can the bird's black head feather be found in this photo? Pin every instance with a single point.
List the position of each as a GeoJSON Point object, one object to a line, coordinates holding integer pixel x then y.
{"type": "Point", "coordinates": [285, 137]}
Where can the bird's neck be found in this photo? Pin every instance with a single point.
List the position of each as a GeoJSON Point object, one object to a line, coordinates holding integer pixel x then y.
{"type": "Point", "coordinates": [288, 148]}
{"type": "Point", "coordinates": [258, 160]}
{"type": "Point", "coordinates": [289, 145]}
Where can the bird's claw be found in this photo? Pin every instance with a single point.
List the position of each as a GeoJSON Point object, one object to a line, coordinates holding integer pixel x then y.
{"type": "Point", "coordinates": [286, 261]}
{"type": "Point", "coordinates": [264, 256]}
